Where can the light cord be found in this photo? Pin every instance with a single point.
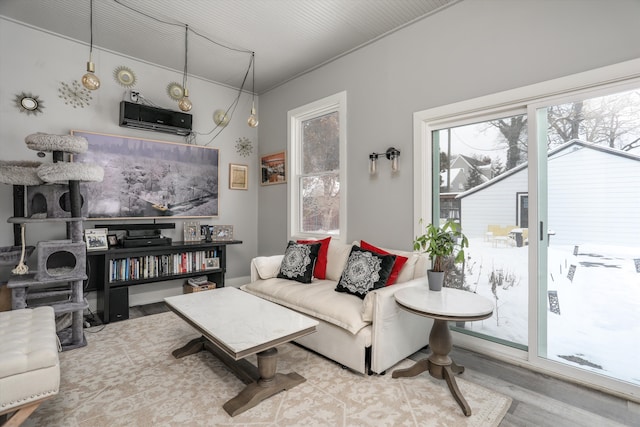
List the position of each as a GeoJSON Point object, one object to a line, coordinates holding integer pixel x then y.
{"type": "Point", "coordinates": [186, 49]}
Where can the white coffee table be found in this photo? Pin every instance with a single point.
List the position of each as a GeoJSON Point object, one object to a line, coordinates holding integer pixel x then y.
{"type": "Point", "coordinates": [234, 325]}
{"type": "Point", "coordinates": [442, 306]}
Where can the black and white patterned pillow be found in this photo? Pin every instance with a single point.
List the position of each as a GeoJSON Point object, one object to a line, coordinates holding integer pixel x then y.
{"type": "Point", "coordinates": [365, 271]}
{"type": "Point", "coordinates": [298, 262]}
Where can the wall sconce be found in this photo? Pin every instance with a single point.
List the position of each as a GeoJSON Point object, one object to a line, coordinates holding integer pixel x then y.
{"type": "Point", "coordinates": [391, 154]}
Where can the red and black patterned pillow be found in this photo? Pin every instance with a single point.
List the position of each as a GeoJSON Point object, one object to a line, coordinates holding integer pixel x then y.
{"type": "Point", "coordinates": [299, 261]}
{"type": "Point", "coordinates": [365, 271]}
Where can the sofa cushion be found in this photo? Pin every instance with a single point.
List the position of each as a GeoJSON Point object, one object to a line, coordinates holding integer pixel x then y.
{"type": "Point", "coordinates": [320, 270]}
{"type": "Point", "coordinates": [337, 256]}
{"type": "Point", "coordinates": [317, 299]}
{"type": "Point", "coordinates": [266, 268]}
{"type": "Point", "coordinates": [298, 262]}
{"type": "Point", "coordinates": [365, 270]}
{"type": "Point", "coordinates": [397, 265]}
{"type": "Point", "coordinates": [408, 270]}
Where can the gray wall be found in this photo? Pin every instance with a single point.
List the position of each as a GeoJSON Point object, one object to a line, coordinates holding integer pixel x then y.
{"type": "Point", "coordinates": [35, 61]}
{"type": "Point", "coordinates": [473, 48]}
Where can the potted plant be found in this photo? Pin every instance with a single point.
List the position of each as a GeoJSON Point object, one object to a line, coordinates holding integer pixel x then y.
{"type": "Point", "coordinates": [440, 243]}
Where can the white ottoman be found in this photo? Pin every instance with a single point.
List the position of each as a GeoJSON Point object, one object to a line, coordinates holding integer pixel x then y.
{"type": "Point", "coordinates": [29, 365]}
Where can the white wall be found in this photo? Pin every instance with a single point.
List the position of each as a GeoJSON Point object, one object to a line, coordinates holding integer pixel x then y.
{"type": "Point", "coordinates": [36, 62]}
{"type": "Point", "coordinates": [470, 49]}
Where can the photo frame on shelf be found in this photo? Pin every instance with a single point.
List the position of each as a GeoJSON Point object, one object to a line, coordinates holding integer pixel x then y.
{"type": "Point", "coordinates": [147, 178]}
{"type": "Point", "coordinates": [112, 240]}
{"type": "Point", "coordinates": [96, 239]}
{"type": "Point", "coordinates": [191, 231]}
{"type": "Point", "coordinates": [273, 168]}
{"type": "Point", "coordinates": [206, 231]}
{"type": "Point", "coordinates": [222, 232]}
{"type": "Point", "coordinates": [211, 263]}
{"type": "Point", "coordinates": [238, 177]}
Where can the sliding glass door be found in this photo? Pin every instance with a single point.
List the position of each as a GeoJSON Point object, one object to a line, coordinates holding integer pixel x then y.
{"type": "Point", "coordinates": [589, 298]}
{"type": "Point", "coordinates": [548, 192]}
{"type": "Point", "coordinates": [482, 175]}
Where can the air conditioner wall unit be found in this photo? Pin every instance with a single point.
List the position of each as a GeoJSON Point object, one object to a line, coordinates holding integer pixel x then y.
{"type": "Point", "coordinates": [141, 116]}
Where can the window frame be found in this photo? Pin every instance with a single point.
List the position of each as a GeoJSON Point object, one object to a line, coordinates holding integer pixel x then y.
{"type": "Point", "coordinates": [295, 118]}
{"type": "Point", "coordinates": [530, 98]}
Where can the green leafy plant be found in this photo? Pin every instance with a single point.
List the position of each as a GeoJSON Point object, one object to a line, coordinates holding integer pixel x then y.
{"type": "Point", "coordinates": [441, 242]}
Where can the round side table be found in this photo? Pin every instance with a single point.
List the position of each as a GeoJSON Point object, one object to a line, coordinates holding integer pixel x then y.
{"type": "Point", "coordinates": [442, 306]}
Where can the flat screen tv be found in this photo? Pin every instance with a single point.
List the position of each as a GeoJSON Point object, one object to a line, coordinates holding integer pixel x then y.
{"type": "Point", "coordinates": [146, 178]}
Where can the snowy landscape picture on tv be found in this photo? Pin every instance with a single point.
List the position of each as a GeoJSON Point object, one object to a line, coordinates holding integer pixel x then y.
{"type": "Point", "coordinates": [148, 178]}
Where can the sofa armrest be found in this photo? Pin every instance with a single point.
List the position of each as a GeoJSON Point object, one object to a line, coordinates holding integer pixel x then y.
{"type": "Point", "coordinates": [396, 333]}
{"type": "Point", "coordinates": [265, 267]}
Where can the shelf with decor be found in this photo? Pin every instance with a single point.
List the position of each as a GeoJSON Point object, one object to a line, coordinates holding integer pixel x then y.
{"type": "Point", "coordinates": [111, 272]}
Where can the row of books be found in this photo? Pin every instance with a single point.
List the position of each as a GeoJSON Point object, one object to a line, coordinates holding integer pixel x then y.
{"type": "Point", "coordinates": [149, 266]}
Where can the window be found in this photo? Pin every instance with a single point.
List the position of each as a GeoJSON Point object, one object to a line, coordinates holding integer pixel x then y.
{"type": "Point", "coordinates": [550, 228]}
{"type": "Point", "coordinates": [317, 147]}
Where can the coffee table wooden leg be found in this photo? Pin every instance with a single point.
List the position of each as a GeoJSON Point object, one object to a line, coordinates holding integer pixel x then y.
{"type": "Point", "coordinates": [270, 383]}
{"type": "Point", "coordinates": [455, 391]}
{"type": "Point", "coordinates": [192, 347]}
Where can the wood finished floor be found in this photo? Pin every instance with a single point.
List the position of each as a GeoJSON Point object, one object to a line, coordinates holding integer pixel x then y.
{"type": "Point", "coordinates": [538, 400]}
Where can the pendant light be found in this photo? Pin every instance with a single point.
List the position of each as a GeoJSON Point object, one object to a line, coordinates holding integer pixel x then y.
{"type": "Point", "coordinates": [252, 121]}
{"type": "Point", "coordinates": [185, 104]}
{"type": "Point", "coordinates": [90, 80]}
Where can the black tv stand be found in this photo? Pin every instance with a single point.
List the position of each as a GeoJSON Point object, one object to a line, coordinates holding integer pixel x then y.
{"type": "Point", "coordinates": [111, 272]}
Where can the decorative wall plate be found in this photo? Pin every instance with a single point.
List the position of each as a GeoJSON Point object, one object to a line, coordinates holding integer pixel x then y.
{"type": "Point", "coordinates": [124, 76]}
{"type": "Point", "coordinates": [221, 118]}
{"type": "Point", "coordinates": [175, 91]}
{"type": "Point", "coordinates": [74, 94]}
{"type": "Point", "coordinates": [243, 146]}
{"type": "Point", "coordinates": [29, 104]}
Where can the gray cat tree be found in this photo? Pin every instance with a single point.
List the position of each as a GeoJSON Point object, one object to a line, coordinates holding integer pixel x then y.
{"type": "Point", "coordinates": [50, 192]}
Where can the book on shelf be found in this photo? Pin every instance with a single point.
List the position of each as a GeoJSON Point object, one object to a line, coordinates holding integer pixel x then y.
{"type": "Point", "coordinates": [152, 266]}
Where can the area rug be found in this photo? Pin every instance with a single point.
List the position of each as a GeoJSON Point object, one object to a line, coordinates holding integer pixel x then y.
{"type": "Point", "coordinates": [126, 376]}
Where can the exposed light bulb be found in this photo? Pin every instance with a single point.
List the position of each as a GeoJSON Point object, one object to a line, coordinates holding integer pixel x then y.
{"type": "Point", "coordinates": [252, 121]}
{"type": "Point", "coordinates": [90, 80]}
{"type": "Point", "coordinates": [394, 164]}
{"type": "Point", "coordinates": [373, 161]}
{"type": "Point", "coordinates": [184, 104]}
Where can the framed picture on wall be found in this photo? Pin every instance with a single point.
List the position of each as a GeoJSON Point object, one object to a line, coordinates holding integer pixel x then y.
{"type": "Point", "coordinates": [146, 178]}
{"type": "Point", "coordinates": [273, 168]}
{"type": "Point", "coordinates": [238, 177]}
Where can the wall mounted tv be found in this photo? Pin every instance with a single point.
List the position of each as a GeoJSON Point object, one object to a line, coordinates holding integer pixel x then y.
{"type": "Point", "coordinates": [146, 178]}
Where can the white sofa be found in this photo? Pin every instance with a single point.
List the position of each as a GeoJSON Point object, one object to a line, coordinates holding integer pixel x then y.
{"type": "Point", "coordinates": [367, 335]}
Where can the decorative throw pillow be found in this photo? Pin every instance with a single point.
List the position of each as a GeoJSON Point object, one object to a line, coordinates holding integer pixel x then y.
{"type": "Point", "coordinates": [365, 271]}
{"type": "Point", "coordinates": [400, 261]}
{"type": "Point", "coordinates": [298, 262]}
{"type": "Point", "coordinates": [320, 270]}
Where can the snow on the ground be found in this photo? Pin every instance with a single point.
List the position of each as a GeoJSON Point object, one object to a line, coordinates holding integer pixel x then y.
{"type": "Point", "coordinates": [599, 320]}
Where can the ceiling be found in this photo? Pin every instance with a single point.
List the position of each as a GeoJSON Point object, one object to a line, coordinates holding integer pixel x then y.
{"type": "Point", "coordinates": [289, 37]}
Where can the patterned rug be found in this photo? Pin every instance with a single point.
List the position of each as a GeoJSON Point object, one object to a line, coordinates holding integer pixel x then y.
{"type": "Point", "coordinates": [126, 376]}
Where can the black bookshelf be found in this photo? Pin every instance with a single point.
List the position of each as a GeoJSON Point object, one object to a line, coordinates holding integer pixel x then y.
{"type": "Point", "coordinates": [110, 272]}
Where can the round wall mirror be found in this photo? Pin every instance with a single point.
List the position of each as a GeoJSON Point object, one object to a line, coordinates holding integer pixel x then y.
{"type": "Point", "coordinates": [28, 103]}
